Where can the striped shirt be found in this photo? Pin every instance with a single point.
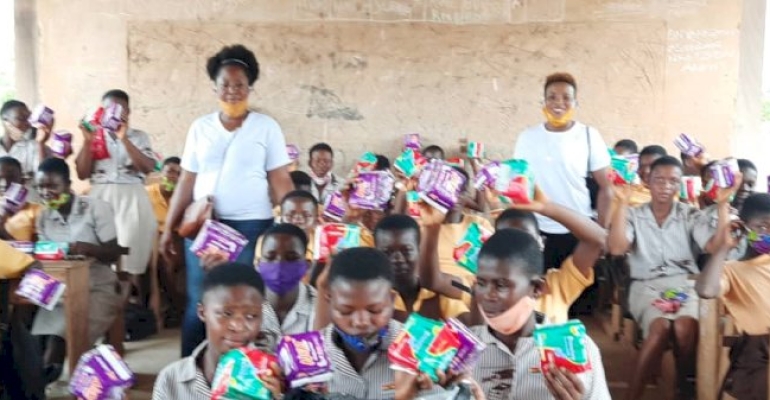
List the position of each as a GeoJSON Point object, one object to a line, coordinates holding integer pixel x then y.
{"type": "Point", "coordinates": [375, 381]}
{"type": "Point", "coordinates": [505, 376]}
{"type": "Point", "coordinates": [299, 319]}
{"type": "Point", "coordinates": [183, 380]}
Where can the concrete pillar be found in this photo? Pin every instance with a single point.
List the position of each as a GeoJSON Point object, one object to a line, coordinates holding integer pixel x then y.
{"type": "Point", "coordinates": [26, 31]}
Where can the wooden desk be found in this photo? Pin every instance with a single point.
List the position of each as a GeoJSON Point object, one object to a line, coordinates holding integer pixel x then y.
{"type": "Point", "coordinates": [74, 274]}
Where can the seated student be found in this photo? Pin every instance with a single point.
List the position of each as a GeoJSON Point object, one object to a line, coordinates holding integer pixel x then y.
{"type": "Point", "coordinates": [358, 296]}
{"type": "Point", "coordinates": [748, 183]}
{"type": "Point", "coordinates": [691, 166]}
{"type": "Point", "coordinates": [300, 209]}
{"type": "Point", "coordinates": [576, 273]}
{"type": "Point", "coordinates": [289, 303]}
{"type": "Point", "coordinates": [662, 239]}
{"type": "Point", "coordinates": [21, 141]}
{"type": "Point", "coordinates": [398, 236]}
{"type": "Point", "coordinates": [742, 286]}
{"type": "Point", "coordinates": [625, 147]}
{"type": "Point", "coordinates": [21, 225]}
{"type": "Point", "coordinates": [508, 284]}
{"type": "Point", "coordinates": [160, 193]}
{"type": "Point", "coordinates": [231, 309]}
{"type": "Point", "coordinates": [321, 164]}
{"type": "Point", "coordinates": [433, 152]}
{"type": "Point", "coordinates": [88, 225]}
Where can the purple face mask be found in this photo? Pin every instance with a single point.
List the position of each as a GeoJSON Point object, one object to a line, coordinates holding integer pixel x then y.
{"type": "Point", "coordinates": [282, 276]}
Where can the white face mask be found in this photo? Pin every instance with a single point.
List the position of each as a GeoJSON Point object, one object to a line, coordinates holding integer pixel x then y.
{"type": "Point", "coordinates": [322, 180]}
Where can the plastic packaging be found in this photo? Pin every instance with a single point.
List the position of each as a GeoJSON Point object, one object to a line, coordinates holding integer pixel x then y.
{"type": "Point", "coordinates": [423, 345]}
{"type": "Point", "coordinates": [41, 116]}
{"type": "Point", "coordinates": [51, 251]}
{"type": "Point", "coordinates": [239, 375]}
{"type": "Point", "coordinates": [330, 239]}
{"type": "Point", "coordinates": [41, 289]}
{"type": "Point", "coordinates": [218, 237]}
{"type": "Point", "coordinates": [440, 185]}
{"type": "Point", "coordinates": [565, 345]}
{"type": "Point", "coordinates": [688, 145]}
{"type": "Point", "coordinates": [101, 375]}
{"type": "Point", "coordinates": [304, 360]}
{"type": "Point", "coordinates": [466, 253]}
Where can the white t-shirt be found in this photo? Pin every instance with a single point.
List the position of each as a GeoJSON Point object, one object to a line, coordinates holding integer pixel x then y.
{"type": "Point", "coordinates": [559, 161]}
{"type": "Point", "coordinates": [233, 166]}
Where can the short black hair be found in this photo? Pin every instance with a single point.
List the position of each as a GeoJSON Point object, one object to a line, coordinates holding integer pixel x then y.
{"type": "Point", "coordinates": [513, 214]}
{"type": "Point", "coordinates": [320, 147]}
{"type": "Point", "coordinates": [397, 222]}
{"type": "Point", "coordinates": [666, 161]}
{"type": "Point", "coordinates": [117, 94]}
{"type": "Point", "coordinates": [300, 194]}
{"type": "Point", "coordinates": [232, 274]}
{"type": "Point", "coordinates": [756, 205]}
{"type": "Point", "coordinates": [744, 164]}
{"type": "Point", "coordinates": [383, 163]}
{"type": "Point", "coordinates": [55, 166]}
{"type": "Point", "coordinates": [653, 150]}
{"type": "Point", "coordinates": [238, 55]}
{"type": "Point", "coordinates": [627, 144]}
{"type": "Point", "coordinates": [172, 160]}
{"type": "Point", "coordinates": [11, 162]}
{"type": "Point", "coordinates": [361, 264]}
{"type": "Point", "coordinates": [435, 148]}
{"type": "Point", "coordinates": [287, 229]}
{"type": "Point", "coordinates": [560, 77]}
{"type": "Point", "coordinates": [300, 178]}
{"type": "Point", "coordinates": [10, 105]}
{"type": "Point", "coordinates": [517, 246]}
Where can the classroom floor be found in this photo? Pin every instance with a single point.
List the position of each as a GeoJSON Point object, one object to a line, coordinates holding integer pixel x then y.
{"type": "Point", "coordinates": [146, 358]}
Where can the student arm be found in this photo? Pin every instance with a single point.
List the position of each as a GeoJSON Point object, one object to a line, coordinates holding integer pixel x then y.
{"type": "Point", "coordinates": [180, 200]}
{"type": "Point", "coordinates": [107, 252]}
{"type": "Point", "coordinates": [709, 280]}
{"type": "Point", "coordinates": [322, 316]}
{"type": "Point", "coordinates": [84, 159]}
{"type": "Point", "coordinates": [617, 239]}
{"type": "Point", "coordinates": [142, 162]}
{"type": "Point", "coordinates": [429, 269]}
{"type": "Point", "coordinates": [280, 183]}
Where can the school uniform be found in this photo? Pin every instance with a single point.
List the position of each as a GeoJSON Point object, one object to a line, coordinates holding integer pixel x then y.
{"type": "Point", "coordinates": [21, 226]}
{"type": "Point", "coordinates": [328, 189]}
{"type": "Point", "coordinates": [299, 319]}
{"type": "Point", "coordinates": [432, 302]}
{"type": "Point", "coordinates": [117, 181]}
{"type": "Point", "coordinates": [90, 221]}
{"type": "Point", "coordinates": [27, 152]}
{"type": "Point", "coordinates": [504, 375]}
{"type": "Point", "coordinates": [661, 258]}
{"type": "Point", "coordinates": [159, 204]}
{"type": "Point", "coordinates": [564, 286]}
{"type": "Point", "coordinates": [183, 380]}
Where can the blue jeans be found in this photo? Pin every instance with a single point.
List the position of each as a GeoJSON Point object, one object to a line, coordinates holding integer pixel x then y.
{"type": "Point", "coordinates": [193, 330]}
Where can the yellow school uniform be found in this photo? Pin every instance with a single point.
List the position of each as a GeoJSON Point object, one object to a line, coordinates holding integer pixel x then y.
{"type": "Point", "coordinates": [449, 236]}
{"type": "Point", "coordinates": [744, 293]}
{"type": "Point", "coordinates": [159, 204]}
{"type": "Point", "coordinates": [564, 287]}
{"type": "Point", "coordinates": [450, 308]}
{"type": "Point", "coordinates": [22, 224]}
{"type": "Point", "coordinates": [14, 259]}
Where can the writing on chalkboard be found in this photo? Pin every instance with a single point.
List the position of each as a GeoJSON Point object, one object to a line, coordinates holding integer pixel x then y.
{"type": "Point", "coordinates": [700, 50]}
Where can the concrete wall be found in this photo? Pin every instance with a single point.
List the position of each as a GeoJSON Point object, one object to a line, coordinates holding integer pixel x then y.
{"type": "Point", "coordinates": [361, 73]}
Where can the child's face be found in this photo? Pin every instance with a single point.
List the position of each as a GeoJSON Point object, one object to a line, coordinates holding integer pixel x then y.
{"type": "Point", "coordinates": [361, 308]}
{"type": "Point", "coordinates": [321, 162]}
{"type": "Point", "coordinates": [664, 183]}
{"type": "Point", "coordinates": [9, 174]}
{"type": "Point", "coordinates": [759, 224]}
{"type": "Point", "coordinates": [171, 172]}
{"type": "Point", "coordinates": [645, 162]}
{"type": "Point", "coordinates": [622, 151]}
{"type": "Point", "coordinates": [434, 155]}
{"type": "Point", "coordinates": [233, 316]}
{"type": "Point", "coordinates": [500, 284]}
{"type": "Point", "coordinates": [747, 186]}
{"type": "Point", "coordinates": [300, 212]}
{"type": "Point", "coordinates": [403, 250]}
{"type": "Point", "coordinates": [282, 247]}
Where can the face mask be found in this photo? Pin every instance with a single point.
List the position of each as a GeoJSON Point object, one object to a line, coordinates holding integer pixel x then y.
{"type": "Point", "coordinates": [760, 242]}
{"type": "Point", "coordinates": [234, 110]}
{"type": "Point", "coordinates": [55, 204]}
{"type": "Point", "coordinates": [558, 122]}
{"type": "Point", "coordinates": [282, 276]}
{"type": "Point", "coordinates": [514, 319]}
{"type": "Point", "coordinates": [320, 181]}
{"type": "Point", "coordinates": [167, 184]}
{"type": "Point", "coordinates": [360, 344]}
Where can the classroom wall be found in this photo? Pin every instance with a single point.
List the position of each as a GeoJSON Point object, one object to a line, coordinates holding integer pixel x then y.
{"type": "Point", "coordinates": [361, 73]}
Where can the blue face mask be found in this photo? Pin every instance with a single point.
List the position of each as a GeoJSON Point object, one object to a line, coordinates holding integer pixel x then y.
{"type": "Point", "coordinates": [360, 344]}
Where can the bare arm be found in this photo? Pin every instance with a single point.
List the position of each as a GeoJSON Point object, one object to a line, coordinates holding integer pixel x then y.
{"type": "Point", "coordinates": [590, 235]}
{"type": "Point", "coordinates": [708, 285]}
{"type": "Point", "coordinates": [141, 161]}
{"type": "Point", "coordinates": [604, 198]}
{"type": "Point", "coordinates": [280, 183]}
{"type": "Point", "coordinates": [617, 242]}
{"type": "Point", "coordinates": [106, 252]}
{"type": "Point", "coordinates": [182, 197]}
{"type": "Point", "coordinates": [84, 160]}
{"type": "Point", "coordinates": [431, 276]}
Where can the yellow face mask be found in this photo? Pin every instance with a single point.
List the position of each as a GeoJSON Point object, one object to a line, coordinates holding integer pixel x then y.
{"type": "Point", "coordinates": [234, 110]}
{"type": "Point", "coordinates": [558, 122]}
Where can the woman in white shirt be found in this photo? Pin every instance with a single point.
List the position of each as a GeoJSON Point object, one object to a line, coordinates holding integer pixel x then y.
{"type": "Point", "coordinates": [237, 156]}
{"type": "Point", "coordinates": [561, 153]}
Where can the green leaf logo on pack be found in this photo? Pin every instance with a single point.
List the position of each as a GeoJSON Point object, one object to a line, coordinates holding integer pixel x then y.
{"type": "Point", "coordinates": [425, 345]}
{"type": "Point", "coordinates": [564, 345]}
{"type": "Point", "coordinates": [466, 253]}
